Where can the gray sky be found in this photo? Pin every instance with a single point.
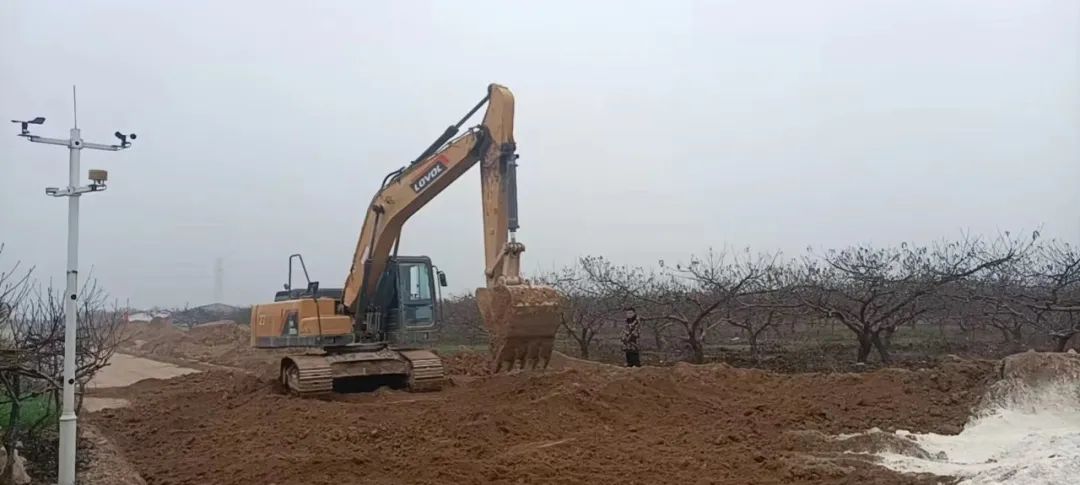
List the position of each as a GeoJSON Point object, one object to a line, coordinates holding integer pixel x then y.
{"type": "Point", "coordinates": [646, 130]}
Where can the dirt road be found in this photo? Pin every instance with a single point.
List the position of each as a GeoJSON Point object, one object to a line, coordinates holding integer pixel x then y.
{"type": "Point", "coordinates": [125, 370]}
{"type": "Point", "coordinates": [106, 465]}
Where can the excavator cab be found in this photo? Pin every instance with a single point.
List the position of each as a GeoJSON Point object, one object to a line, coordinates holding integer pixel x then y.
{"type": "Point", "coordinates": [407, 297]}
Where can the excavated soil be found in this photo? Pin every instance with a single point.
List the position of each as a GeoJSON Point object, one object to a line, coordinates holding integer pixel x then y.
{"type": "Point", "coordinates": [108, 464]}
{"type": "Point", "coordinates": [220, 343]}
{"type": "Point", "coordinates": [576, 423]}
{"type": "Point", "coordinates": [227, 344]}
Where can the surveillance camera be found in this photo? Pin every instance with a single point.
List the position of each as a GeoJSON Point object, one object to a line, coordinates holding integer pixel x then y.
{"type": "Point", "coordinates": [51, 190]}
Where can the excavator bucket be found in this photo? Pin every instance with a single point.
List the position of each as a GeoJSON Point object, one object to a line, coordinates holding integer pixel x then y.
{"type": "Point", "coordinates": [522, 321]}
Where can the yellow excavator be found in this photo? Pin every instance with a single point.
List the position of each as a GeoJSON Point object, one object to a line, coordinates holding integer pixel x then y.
{"type": "Point", "coordinates": [374, 330]}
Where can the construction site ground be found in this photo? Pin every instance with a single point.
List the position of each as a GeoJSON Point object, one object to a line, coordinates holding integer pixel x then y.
{"type": "Point", "coordinates": [577, 422]}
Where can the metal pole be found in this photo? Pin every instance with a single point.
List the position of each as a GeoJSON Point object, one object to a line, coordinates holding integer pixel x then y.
{"type": "Point", "coordinates": [75, 145]}
{"type": "Point", "coordinates": [68, 419]}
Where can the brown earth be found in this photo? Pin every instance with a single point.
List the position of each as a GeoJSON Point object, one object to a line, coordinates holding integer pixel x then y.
{"type": "Point", "coordinates": [227, 344]}
{"type": "Point", "coordinates": [107, 465]}
{"type": "Point", "coordinates": [468, 364]}
{"type": "Point", "coordinates": [220, 343]}
{"type": "Point", "coordinates": [576, 423]}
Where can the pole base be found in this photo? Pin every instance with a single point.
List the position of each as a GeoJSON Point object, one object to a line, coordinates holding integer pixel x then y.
{"type": "Point", "coordinates": [68, 428]}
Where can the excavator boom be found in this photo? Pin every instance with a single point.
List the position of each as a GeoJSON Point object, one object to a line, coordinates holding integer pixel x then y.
{"type": "Point", "coordinates": [521, 318]}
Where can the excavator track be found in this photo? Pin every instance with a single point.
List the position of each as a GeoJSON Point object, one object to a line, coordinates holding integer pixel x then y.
{"type": "Point", "coordinates": [308, 375]}
{"type": "Point", "coordinates": [426, 372]}
{"type": "Point", "coordinates": [313, 375]}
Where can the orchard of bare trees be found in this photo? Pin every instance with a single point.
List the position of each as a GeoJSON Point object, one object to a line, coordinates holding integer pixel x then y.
{"type": "Point", "coordinates": [31, 357]}
{"type": "Point", "coordinates": [1002, 294]}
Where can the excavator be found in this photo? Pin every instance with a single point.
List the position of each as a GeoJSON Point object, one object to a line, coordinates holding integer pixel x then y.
{"type": "Point", "coordinates": [372, 331]}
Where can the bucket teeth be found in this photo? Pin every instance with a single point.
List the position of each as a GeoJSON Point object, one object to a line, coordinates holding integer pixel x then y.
{"type": "Point", "coordinates": [522, 321]}
{"type": "Point", "coordinates": [523, 354]}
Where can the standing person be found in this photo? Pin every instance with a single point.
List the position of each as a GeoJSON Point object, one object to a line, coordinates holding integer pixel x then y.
{"type": "Point", "coordinates": [630, 339]}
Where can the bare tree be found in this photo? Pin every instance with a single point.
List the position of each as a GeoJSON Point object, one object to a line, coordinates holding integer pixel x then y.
{"type": "Point", "coordinates": [590, 304]}
{"type": "Point", "coordinates": [658, 327]}
{"type": "Point", "coordinates": [693, 296]}
{"type": "Point", "coordinates": [985, 300]}
{"type": "Point", "coordinates": [873, 292]}
{"type": "Point", "coordinates": [760, 311]}
{"type": "Point", "coordinates": [460, 318]}
{"type": "Point", "coordinates": [639, 288]}
{"type": "Point", "coordinates": [1043, 293]}
{"type": "Point", "coordinates": [32, 349]}
{"type": "Point", "coordinates": [689, 296]}
{"type": "Point", "coordinates": [99, 332]}
{"type": "Point", "coordinates": [20, 349]}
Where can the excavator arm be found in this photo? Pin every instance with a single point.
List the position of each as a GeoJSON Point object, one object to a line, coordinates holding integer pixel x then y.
{"type": "Point", "coordinates": [522, 318]}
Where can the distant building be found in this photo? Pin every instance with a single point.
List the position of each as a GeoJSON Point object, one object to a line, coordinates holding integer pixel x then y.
{"type": "Point", "coordinates": [145, 317]}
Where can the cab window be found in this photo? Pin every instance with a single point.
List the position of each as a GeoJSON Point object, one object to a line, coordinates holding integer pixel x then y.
{"type": "Point", "coordinates": [416, 279]}
{"type": "Point", "coordinates": [417, 304]}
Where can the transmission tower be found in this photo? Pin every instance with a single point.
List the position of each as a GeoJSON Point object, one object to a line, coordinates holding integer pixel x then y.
{"type": "Point", "coordinates": [219, 281]}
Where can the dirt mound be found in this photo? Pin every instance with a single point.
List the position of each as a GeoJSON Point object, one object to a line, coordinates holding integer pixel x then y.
{"type": "Point", "coordinates": [474, 363]}
{"type": "Point", "coordinates": [153, 331]}
{"type": "Point", "coordinates": [221, 343]}
{"type": "Point", "coordinates": [579, 424]}
{"type": "Point", "coordinates": [467, 363]}
{"type": "Point", "coordinates": [228, 344]}
{"type": "Point", "coordinates": [1029, 379]}
{"type": "Point", "coordinates": [1038, 367]}
{"type": "Point", "coordinates": [219, 333]}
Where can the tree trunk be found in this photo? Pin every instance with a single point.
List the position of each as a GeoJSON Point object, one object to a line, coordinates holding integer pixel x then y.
{"type": "Point", "coordinates": [1061, 341]}
{"type": "Point", "coordinates": [58, 397]}
{"type": "Point", "coordinates": [11, 434]}
{"type": "Point", "coordinates": [1006, 335]}
{"type": "Point", "coordinates": [1017, 336]}
{"type": "Point", "coordinates": [698, 350]}
{"type": "Point", "coordinates": [753, 338]}
{"type": "Point", "coordinates": [583, 344]}
{"type": "Point", "coordinates": [865, 346]}
{"type": "Point", "coordinates": [659, 340]}
{"type": "Point", "coordinates": [882, 344]}
{"type": "Point", "coordinates": [79, 390]}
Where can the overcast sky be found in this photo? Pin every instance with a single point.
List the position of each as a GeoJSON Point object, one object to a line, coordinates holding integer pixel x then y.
{"type": "Point", "coordinates": [646, 130]}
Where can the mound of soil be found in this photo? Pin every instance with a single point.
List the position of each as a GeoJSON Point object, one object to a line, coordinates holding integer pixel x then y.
{"type": "Point", "coordinates": [577, 423]}
{"type": "Point", "coordinates": [225, 332]}
{"type": "Point", "coordinates": [221, 343]}
{"type": "Point", "coordinates": [1039, 367]}
{"type": "Point", "coordinates": [467, 364]}
{"type": "Point", "coordinates": [141, 333]}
